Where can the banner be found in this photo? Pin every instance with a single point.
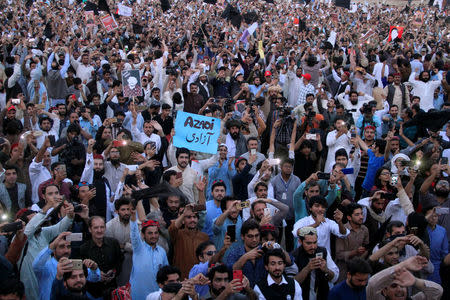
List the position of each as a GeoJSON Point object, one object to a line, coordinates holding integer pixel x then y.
{"type": "Point", "coordinates": [123, 10]}
{"type": "Point", "coordinates": [395, 32]}
{"type": "Point", "coordinates": [418, 19]}
{"type": "Point", "coordinates": [89, 16]}
{"type": "Point", "coordinates": [131, 83]}
{"type": "Point", "coordinates": [109, 23]}
{"type": "Point", "coordinates": [196, 132]}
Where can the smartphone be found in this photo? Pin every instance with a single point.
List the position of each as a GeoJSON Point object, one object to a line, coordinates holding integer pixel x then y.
{"type": "Point", "coordinates": [310, 136]}
{"type": "Point", "coordinates": [237, 274]}
{"type": "Point", "coordinates": [114, 120]}
{"type": "Point", "coordinates": [252, 151]}
{"type": "Point", "coordinates": [179, 175]}
{"type": "Point", "coordinates": [444, 160]}
{"type": "Point", "coordinates": [319, 255]}
{"type": "Point", "coordinates": [267, 211]}
{"type": "Point", "coordinates": [231, 232]}
{"type": "Point", "coordinates": [442, 210]}
{"type": "Point", "coordinates": [74, 237]}
{"type": "Point", "coordinates": [353, 135]}
{"type": "Point", "coordinates": [117, 144]}
{"type": "Point", "coordinates": [347, 171]}
{"type": "Point", "coordinates": [77, 264]}
{"type": "Point", "coordinates": [15, 101]}
{"type": "Point", "coordinates": [12, 227]}
{"type": "Point", "coordinates": [394, 179]}
{"type": "Point", "coordinates": [414, 230]}
{"type": "Point", "coordinates": [152, 144]}
{"type": "Point", "coordinates": [51, 138]}
{"type": "Point", "coordinates": [244, 204]}
{"type": "Point", "coordinates": [322, 175]}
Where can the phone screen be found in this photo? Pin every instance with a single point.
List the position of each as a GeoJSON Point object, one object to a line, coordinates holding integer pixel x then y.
{"type": "Point", "coordinates": [231, 232]}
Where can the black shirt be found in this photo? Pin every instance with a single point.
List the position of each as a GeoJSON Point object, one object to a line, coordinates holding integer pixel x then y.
{"type": "Point", "coordinates": [166, 124]}
{"type": "Point", "coordinates": [108, 257]}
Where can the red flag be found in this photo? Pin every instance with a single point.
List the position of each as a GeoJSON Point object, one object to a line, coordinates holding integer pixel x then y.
{"type": "Point", "coordinates": [296, 21]}
{"type": "Point", "coordinates": [395, 32]}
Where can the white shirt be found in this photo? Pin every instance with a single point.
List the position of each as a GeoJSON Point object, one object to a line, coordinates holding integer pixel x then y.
{"type": "Point", "coordinates": [425, 90]}
{"type": "Point", "coordinates": [142, 138]}
{"type": "Point", "coordinates": [38, 174]}
{"type": "Point", "coordinates": [53, 131]}
{"type": "Point", "coordinates": [84, 72]}
{"type": "Point", "coordinates": [354, 108]}
{"type": "Point", "coordinates": [335, 144]}
{"type": "Point", "coordinates": [189, 178]}
{"type": "Point", "coordinates": [270, 281]}
{"type": "Point", "coordinates": [377, 72]}
{"type": "Point", "coordinates": [331, 265]}
{"type": "Point", "coordinates": [323, 230]}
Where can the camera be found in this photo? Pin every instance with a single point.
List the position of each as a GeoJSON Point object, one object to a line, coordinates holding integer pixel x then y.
{"type": "Point", "coordinates": [286, 111]}
{"type": "Point", "coordinates": [228, 106]}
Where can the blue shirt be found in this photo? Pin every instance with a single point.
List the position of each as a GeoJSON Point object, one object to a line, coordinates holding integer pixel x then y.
{"type": "Point", "coordinates": [212, 212]}
{"type": "Point", "coordinates": [438, 250]}
{"type": "Point", "coordinates": [44, 267]}
{"type": "Point", "coordinates": [202, 290]}
{"type": "Point", "coordinates": [343, 291]}
{"type": "Point", "coordinates": [223, 173]}
{"type": "Point", "coordinates": [219, 232]}
{"type": "Point", "coordinates": [372, 167]}
{"type": "Point", "coordinates": [253, 272]}
{"type": "Point", "coordinates": [146, 263]}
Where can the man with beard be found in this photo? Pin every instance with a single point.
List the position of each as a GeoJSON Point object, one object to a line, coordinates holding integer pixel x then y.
{"type": "Point", "coordinates": [119, 228]}
{"type": "Point", "coordinates": [94, 171]}
{"type": "Point", "coordinates": [316, 267]}
{"type": "Point", "coordinates": [59, 175]}
{"type": "Point", "coordinates": [71, 151]}
{"type": "Point", "coordinates": [277, 286]}
{"type": "Point", "coordinates": [205, 88]}
{"type": "Point", "coordinates": [152, 131]}
{"type": "Point", "coordinates": [394, 283]}
{"type": "Point", "coordinates": [186, 239]}
{"type": "Point", "coordinates": [235, 140]}
{"type": "Point", "coordinates": [49, 124]}
{"type": "Point", "coordinates": [214, 208]}
{"type": "Point", "coordinates": [106, 252]}
{"type": "Point", "coordinates": [113, 167]}
{"type": "Point", "coordinates": [148, 257]}
{"type": "Point", "coordinates": [354, 287]}
{"type": "Point", "coordinates": [277, 210]}
{"type": "Point", "coordinates": [397, 93]}
{"type": "Point", "coordinates": [222, 286]}
{"type": "Point", "coordinates": [440, 197]}
{"type": "Point", "coordinates": [57, 86]}
{"type": "Point", "coordinates": [354, 101]}
{"type": "Point", "coordinates": [193, 101]}
{"type": "Point", "coordinates": [324, 226]}
{"type": "Point", "coordinates": [171, 209]}
{"type": "Point", "coordinates": [45, 264]}
{"type": "Point", "coordinates": [188, 174]}
{"type": "Point", "coordinates": [222, 170]}
{"type": "Point", "coordinates": [294, 82]}
{"type": "Point", "coordinates": [229, 217]}
{"type": "Point", "coordinates": [69, 283]}
{"type": "Point", "coordinates": [424, 88]}
{"type": "Point", "coordinates": [353, 245]}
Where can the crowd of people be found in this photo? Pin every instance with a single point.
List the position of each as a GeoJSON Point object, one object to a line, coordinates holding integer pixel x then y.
{"type": "Point", "coordinates": [331, 177]}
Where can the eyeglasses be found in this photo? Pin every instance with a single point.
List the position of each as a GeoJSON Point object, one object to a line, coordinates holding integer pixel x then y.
{"type": "Point", "coordinates": [210, 253]}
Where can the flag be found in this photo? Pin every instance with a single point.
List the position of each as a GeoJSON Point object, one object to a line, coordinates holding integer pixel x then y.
{"type": "Point", "coordinates": [395, 32]}
{"type": "Point", "coordinates": [123, 10]}
{"type": "Point", "coordinates": [232, 14]}
{"type": "Point", "coordinates": [165, 5]}
{"type": "Point", "coordinates": [250, 17]}
{"type": "Point", "coordinates": [343, 3]}
{"type": "Point", "coordinates": [89, 6]}
{"type": "Point", "coordinates": [103, 6]}
{"type": "Point", "coordinates": [261, 49]}
{"type": "Point", "coordinates": [296, 21]}
{"type": "Point", "coordinates": [247, 32]}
